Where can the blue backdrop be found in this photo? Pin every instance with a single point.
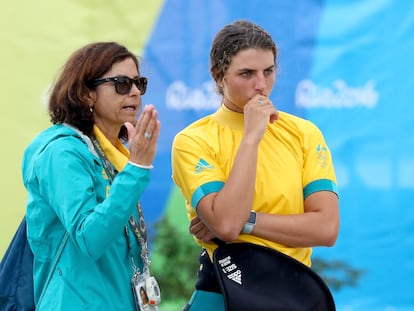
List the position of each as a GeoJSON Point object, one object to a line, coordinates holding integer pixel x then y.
{"type": "Point", "coordinates": [346, 66]}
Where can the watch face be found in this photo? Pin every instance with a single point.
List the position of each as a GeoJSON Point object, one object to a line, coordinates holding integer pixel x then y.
{"type": "Point", "coordinates": [252, 218]}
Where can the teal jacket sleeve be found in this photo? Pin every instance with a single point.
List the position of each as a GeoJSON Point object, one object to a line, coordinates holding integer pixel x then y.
{"type": "Point", "coordinates": [74, 183]}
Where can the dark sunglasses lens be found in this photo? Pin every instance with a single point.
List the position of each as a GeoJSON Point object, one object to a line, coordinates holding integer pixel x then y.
{"type": "Point", "coordinates": [123, 86]}
{"type": "Point", "coordinates": [141, 84]}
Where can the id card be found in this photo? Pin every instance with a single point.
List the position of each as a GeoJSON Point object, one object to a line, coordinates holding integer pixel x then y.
{"type": "Point", "coordinates": [146, 292]}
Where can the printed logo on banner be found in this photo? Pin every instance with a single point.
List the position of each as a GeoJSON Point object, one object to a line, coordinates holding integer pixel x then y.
{"type": "Point", "coordinates": [179, 96]}
{"type": "Point", "coordinates": [340, 95]}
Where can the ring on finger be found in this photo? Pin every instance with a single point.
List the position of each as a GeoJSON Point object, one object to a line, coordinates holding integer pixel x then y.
{"type": "Point", "coordinates": [147, 135]}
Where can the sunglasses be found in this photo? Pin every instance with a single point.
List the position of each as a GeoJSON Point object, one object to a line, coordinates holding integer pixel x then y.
{"type": "Point", "coordinates": [123, 84]}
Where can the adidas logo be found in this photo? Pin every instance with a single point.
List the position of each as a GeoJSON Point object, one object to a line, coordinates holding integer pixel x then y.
{"type": "Point", "coordinates": [231, 270]}
{"type": "Point", "coordinates": [235, 276]}
{"type": "Point", "coordinates": [202, 165]}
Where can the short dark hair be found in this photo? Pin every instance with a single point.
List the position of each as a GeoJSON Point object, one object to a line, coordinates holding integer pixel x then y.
{"type": "Point", "coordinates": [68, 102]}
{"type": "Point", "coordinates": [232, 38]}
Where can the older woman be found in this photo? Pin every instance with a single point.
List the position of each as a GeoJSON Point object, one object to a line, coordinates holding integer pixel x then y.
{"type": "Point", "coordinates": [84, 184]}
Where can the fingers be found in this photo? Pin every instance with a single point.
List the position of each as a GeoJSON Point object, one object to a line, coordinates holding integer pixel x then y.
{"type": "Point", "coordinates": [274, 116]}
{"type": "Point", "coordinates": [147, 126]}
{"type": "Point", "coordinates": [153, 129]}
{"type": "Point", "coordinates": [130, 129]}
{"type": "Point", "coordinates": [263, 103]}
{"type": "Point", "coordinates": [260, 102]}
{"type": "Point", "coordinates": [146, 123]}
{"type": "Point", "coordinates": [143, 137]}
{"type": "Point", "coordinates": [200, 230]}
{"type": "Point", "coordinates": [195, 225]}
{"type": "Point", "coordinates": [194, 221]}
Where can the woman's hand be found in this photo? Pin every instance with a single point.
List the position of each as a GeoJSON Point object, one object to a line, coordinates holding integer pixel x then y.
{"type": "Point", "coordinates": [200, 230]}
{"type": "Point", "coordinates": [143, 137]}
{"type": "Point", "coordinates": [258, 112]}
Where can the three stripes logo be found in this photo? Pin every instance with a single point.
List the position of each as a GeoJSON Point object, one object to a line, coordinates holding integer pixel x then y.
{"type": "Point", "coordinates": [231, 270]}
{"type": "Point", "coordinates": [202, 165]}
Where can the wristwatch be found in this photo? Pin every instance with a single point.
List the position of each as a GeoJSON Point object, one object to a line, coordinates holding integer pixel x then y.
{"type": "Point", "coordinates": [251, 222]}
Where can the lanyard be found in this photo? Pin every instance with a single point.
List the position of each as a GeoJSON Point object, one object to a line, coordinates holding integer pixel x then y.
{"type": "Point", "coordinates": [140, 231]}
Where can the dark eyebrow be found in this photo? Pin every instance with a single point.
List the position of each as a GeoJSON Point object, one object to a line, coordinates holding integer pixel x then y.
{"type": "Point", "coordinates": [244, 69]}
{"type": "Point", "coordinates": [249, 69]}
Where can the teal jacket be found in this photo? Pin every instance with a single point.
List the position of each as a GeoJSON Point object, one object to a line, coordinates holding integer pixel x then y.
{"type": "Point", "coordinates": [67, 192]}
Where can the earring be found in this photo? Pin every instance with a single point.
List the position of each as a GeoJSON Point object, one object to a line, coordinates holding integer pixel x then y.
{"type": "Point", "coordinates": [91, 108]}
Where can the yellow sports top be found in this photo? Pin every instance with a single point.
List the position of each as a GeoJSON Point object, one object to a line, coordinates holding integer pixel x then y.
{"type": "Point", "coordinates": [293, 162]}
